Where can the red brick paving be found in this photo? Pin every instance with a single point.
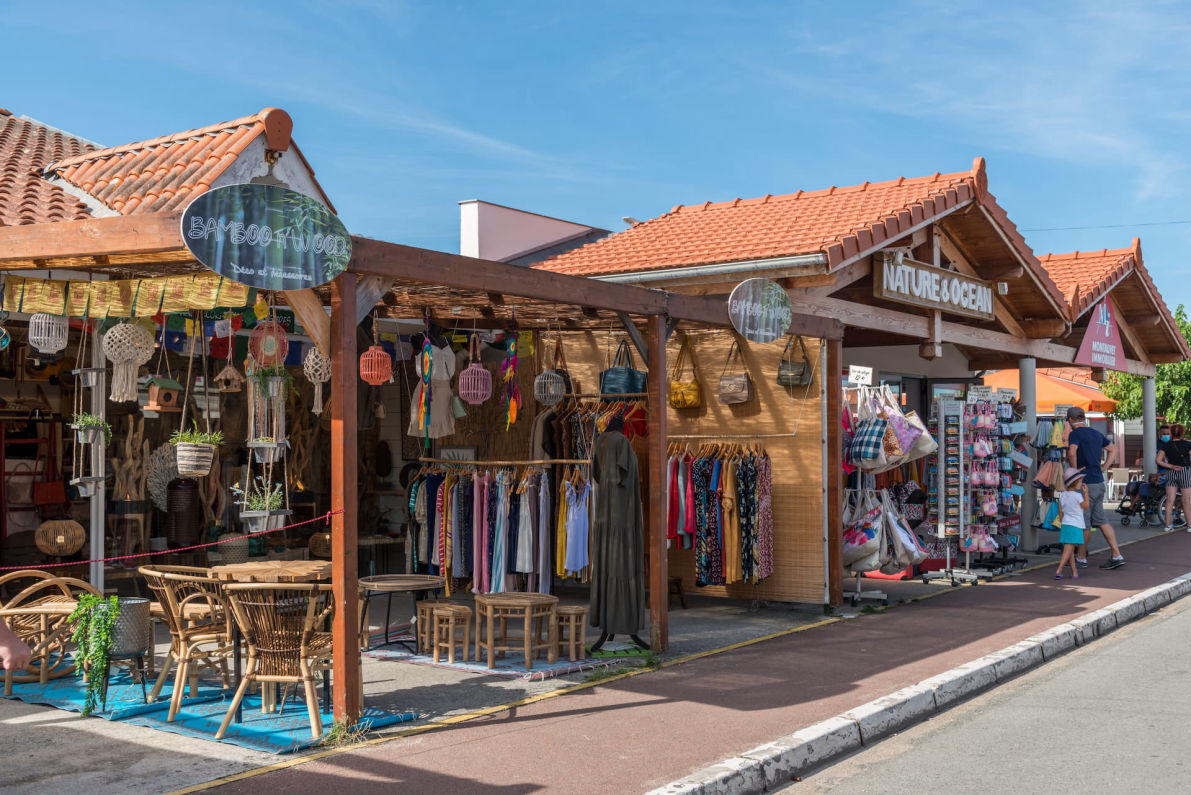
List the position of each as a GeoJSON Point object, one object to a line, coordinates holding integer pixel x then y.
{"type": "Point", "coordinates": [638, 733]}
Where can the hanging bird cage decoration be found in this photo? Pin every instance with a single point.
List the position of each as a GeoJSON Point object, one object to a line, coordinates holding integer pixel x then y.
{"type": "Point", "coordinates": [375, 365]}
{"type": "Point", "coordinates": [229, 379]}
{"type": "Point", "coordinates": [269, 344]}
{"type": "Point", "coordinates": [317, 368]}
{"type": "Point", "coordinates": [127, 347]}
{"type": "Point", "coordinates": [475, 381]}
{"type": "Point", "coordinates": [47, 335]}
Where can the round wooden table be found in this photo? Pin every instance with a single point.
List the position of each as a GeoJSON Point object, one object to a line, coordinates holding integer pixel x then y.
{"type": "Point", "coordinates": [418, 585]}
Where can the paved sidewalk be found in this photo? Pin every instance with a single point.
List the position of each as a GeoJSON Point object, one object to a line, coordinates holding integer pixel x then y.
{"type": "Point", "coordinates": [635, 734]}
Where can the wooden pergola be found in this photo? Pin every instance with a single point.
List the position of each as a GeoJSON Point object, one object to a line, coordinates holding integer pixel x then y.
{"type": "Point", "coordinates": [420, 282]}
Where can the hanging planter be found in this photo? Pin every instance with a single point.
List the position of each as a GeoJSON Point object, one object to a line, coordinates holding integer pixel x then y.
{"type": "Point", "coordinates": [267, 451]}
{"type": "Point", "coordinates": [262, 521]}
{"type": "Point", "coordinates": [194, 460]}
{"type": "Point", "coordinates": [86, 486]}
{"type": "Point", "coordinates": [90, 429]}
{"type": "Point", "coordinates": [87, 377]}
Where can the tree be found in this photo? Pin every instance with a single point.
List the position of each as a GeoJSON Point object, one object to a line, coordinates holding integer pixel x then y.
{"type": "Point", "coordinates": [1172, 385]}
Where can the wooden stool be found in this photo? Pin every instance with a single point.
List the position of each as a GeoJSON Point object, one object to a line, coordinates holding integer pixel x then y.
{"type": "Point", "coordinates": [572, 631]}
{"type": "Point", "coordinates": [676, 590]}
{"type": "Point", "coordinates": [497, 613]}
{"type": "Point", "coordinates": [447, 619]}
{"type": "Point", "coordinates": [424, 624]}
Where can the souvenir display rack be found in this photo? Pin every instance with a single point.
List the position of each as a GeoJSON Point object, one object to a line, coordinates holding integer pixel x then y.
{"type": "Point", "coordinates": [949, 505]}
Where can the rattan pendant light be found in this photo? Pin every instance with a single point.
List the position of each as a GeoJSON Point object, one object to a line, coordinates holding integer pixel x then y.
{"type": "Point", "coordinates": [127, 347]}
{"type": "Point", "coordinates": [47, 335]}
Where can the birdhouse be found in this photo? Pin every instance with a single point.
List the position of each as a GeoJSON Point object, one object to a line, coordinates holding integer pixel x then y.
{"type": "Point", "coordinates": [229, 379]}
{"type": "Point", "coordinates": [165, 395]}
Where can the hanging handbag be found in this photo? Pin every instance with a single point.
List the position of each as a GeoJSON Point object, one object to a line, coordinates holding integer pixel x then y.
{"type": "Point", "coordinates": [685, 394]}
{"type": "Point", "coordinates": [792, 373]}
{"type": "Point", "coordinates": [907, 433]}
{"type": "Point", "coordinates": [621, 377]}
{"type": "Point", "coordinates": [735, 387]}
{"type": "Point", "coordinates": [868, 440]}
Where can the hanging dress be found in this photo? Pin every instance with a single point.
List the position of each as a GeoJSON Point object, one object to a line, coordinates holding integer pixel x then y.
{"type": "Point", "coordinates": [764, 517]}
{"type": "Point", "coordinates": [577, 527]}
{"type": "Point", "coordinates": [499, 563]}
{"type": "Point", "coordinates": [544, 568]}
{"type": "Point", "coordinates": [442, 419]}
{"type": "Point", "coordinates": [525, 547]}
{"type": "Point", "coordinates": [617, 603]}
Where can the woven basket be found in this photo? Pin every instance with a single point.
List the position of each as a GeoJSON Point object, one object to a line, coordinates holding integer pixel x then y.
{"type": "Point", "coordinates": [233, 547]}
{"type": "Point", "coordinates": [475, 382]}
{"type": "Point", "coordinates": [320, 545]}
{"type": "Point", "coordinates": [194, 460]}
{"type": "Point", "coordinates": [184, 513]}
{"type": "Point", "coordinates": [60, 537]}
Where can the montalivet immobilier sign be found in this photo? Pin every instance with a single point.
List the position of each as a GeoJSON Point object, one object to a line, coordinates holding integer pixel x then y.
{"type": "Point", "coordinates": [922, 285]}
{"type": "Point", "coordinates": [1101, 346]}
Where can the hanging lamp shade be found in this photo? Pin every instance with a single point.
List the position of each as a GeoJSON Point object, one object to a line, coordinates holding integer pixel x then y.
{"type": "Point", "coordinates": [318, 371]}
{"type": "Point", "coordinates": [375, 365]}
{"type": "Point", "coordinates": [268, 343]}
{"type": "Point", "coordinates": [475, 382]}
{"type": "Point", "coordinates": [127, 347]}
{"type": "Point", "coordinates": [47, 335]}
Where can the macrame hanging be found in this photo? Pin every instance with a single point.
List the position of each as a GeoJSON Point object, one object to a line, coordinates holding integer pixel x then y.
{"type": "Point", "coordinates": [318, 371]}
{"type": "Point", "coordinates": [127, 347]}
{"type": "Point", "coordinates": [47, 335]}
{"type": "Point", "coordinates": [268, 343]}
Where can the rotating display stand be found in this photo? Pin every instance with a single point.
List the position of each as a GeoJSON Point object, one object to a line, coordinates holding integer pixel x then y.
{"type": "Point", "coordinates": [951, 487]}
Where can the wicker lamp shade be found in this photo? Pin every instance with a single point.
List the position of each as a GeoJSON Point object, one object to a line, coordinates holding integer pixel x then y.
{"type": "Point", "coordinates": [47, 333]}
{"type": "Point", "coordinates": [549, 387]}
{"type": "Point", "coordinates": [475, 382]}
{"type": "Point", "coordinates": [269, 344]}
{"type": "Point", "coordinates": [127, 348]}
{"type": "Point", "coordinates": [320, 545]}
{"type": "Point", "coordinates": [60, 537]}
{"type": "Point", "coordinates": [318, 371]}
{"type": "Point", "coordinates": [375, 365]}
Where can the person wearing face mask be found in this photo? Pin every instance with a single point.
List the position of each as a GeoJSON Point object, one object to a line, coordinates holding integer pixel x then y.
{"type": "Point", "coordinates": [1174, 459]}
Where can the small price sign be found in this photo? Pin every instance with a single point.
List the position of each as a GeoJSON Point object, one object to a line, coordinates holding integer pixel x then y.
{"type": "Point", "coordinates": [860, 375]}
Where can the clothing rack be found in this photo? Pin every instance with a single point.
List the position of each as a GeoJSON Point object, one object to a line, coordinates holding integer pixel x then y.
{"type": "Point", "coordinates": [536, 462]}
{"type": "Point", "coordinates": [670, 436]}
{"type": "Point", "coordinates": [609, 396]}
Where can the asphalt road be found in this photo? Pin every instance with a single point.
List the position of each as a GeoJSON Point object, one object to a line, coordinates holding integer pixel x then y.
{"type": "Point", "coordinates": [1110, 717]}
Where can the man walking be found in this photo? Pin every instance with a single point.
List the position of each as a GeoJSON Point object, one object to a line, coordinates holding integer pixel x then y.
{"type": "Point", "coordinates": [1087, 448]}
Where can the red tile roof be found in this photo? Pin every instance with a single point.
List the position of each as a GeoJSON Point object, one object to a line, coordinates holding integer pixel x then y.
{"type": "Point", "coordinates": [164, 174]}
{"type": "Point", "coordinates": [1086, 276]}
{"type": "Point", "coordinates": [839, 222]}
{"type": "Point", "coordinates": [26, 147]}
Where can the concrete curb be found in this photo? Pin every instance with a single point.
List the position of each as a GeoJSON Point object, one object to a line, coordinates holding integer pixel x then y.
{"type": "Point", "coordinates": [777, 763]}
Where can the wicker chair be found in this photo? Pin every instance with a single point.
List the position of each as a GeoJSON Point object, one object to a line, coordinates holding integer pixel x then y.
{"type": "Point", "coordinates": [283, 625]}
{"type": "Point", "coordinates": [39, 615]}
{"type": "Point", "coordinates": [193, 607]}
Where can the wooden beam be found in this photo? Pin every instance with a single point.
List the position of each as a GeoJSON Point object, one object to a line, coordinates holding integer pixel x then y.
{"type": "Point", "coordinates": [833, 488]}
{"type": "Point", "coordinates": [952, 250]}
{"type": "Point", "coordinates": [1060, 310]}
{"type": "Point", "coordinates": [1007, 274]}
{"type": "Point", "coordinates": [93, 237]}
{"type": "Point", "coordinates": [1143, 321]}
{"type": "Point", "coordinates": [635, 336]}
{"type": "Point", "coordinates": [1167, 358]}
{"type": "Point", "coordinates": [1128, 333]}
{"type": "Point", "coordinates": [1044, 328]}
{"type": "Point", "coordinates": [345, 447]}
{"type": "Point", "coordinates": [659, 569]}
{"type": "Point", "coordinates": [933, 347]}
{"type": "Point", "coordinates": [843, 277]}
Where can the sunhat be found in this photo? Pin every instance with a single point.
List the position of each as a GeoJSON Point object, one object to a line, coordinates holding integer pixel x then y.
{"type": "Point", "coordinates": [1071, 475]}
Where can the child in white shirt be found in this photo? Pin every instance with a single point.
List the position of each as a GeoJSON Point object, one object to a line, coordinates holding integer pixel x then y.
{"type": "Point", "coordinates": [1072, 502]}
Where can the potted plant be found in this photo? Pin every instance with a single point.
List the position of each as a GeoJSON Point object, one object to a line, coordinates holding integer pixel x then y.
{"type": "Point", "coordinates": [195, 450]}
{"type": "Point", "coordinates": [274, 379]}
{"type": "Point", "coordinates": [87, 377]}
{"type": "Point", "coordinates": [262, 506]}
{"type": "Point", "coordinates": [233, 547]}
{"type": "Point", "coordinates": [89, 428]}
{"type": "Point", "coordinates": [106, 627]}
{"type": "Point", "coordinates": [267, 449]}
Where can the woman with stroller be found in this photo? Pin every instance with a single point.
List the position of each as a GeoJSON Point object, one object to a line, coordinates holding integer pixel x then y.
{"type": "Point", "coordinates": [1174, 459]}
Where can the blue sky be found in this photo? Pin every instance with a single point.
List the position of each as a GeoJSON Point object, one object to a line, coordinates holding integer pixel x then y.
{"type": "Point", "coordinates": [596, 111]}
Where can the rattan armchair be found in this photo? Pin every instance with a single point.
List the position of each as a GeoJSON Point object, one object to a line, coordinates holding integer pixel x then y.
{"type": "Point", "coordinates": [283, 625]}
{"type": "Point", "coordinates": [39, 614]}
{"type": "Point", "coordinates": [194, 609]}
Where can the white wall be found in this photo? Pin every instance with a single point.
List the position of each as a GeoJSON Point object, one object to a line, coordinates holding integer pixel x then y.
{"type": "Point", "coordinates": [904, 360]}
{"type": "Point", "coordinates": [289, 170]}
{"type": "Point", "coordinates": [494, 232]}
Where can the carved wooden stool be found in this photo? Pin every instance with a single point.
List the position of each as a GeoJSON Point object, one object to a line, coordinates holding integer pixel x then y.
{"type": "Point", "coordinates": [498, 613]}
{"type": "Point", "coordinates": [452, 627]}
{"type": "Point", "coordinates": [572, 632]}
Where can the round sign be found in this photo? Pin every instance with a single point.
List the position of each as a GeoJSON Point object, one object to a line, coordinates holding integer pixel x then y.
{"type": "Point", "coordinates": [760, 310]}
{"type": "Point", "coordinates": [266, 236]}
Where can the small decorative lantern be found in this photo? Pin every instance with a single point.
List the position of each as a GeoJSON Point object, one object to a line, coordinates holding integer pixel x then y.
{"type": "Point", "coordinates": [375, 365]}
{"type": "Point", "coordinates": [269, 344]}
{"type": "Point", "coordinates": [229, 379]}
{"type": "Point", "coordinates": [47, 335]}
{"type": "Point", "coordinates": [60, 537]}
{"type": "Point", "coordinates": [475, 382]}
{"type": "Point", "coordinates": [127, 347]}
{"type": "Point", "coordinates": [164, 395]}
{"type": "Point", "coordinates": [318, 371]}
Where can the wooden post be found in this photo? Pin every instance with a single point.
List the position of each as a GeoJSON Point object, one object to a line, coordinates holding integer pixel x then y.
{"type": "Point", "coordinates": [345, 634]}
{"type": "Point", "coordinates": [833, 489]}
{"type": "Point", "coordinates": [659, 569]}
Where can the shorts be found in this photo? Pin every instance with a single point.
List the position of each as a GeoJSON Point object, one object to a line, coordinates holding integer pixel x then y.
{"type": "Point", "coordinates": [1180, 479]}
{"type": "Point", "coordinates": [1070, 534]}
{"type": "Point", "coordinates": [1094, 515]}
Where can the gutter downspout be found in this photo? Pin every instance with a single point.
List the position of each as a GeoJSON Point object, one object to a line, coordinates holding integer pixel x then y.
{"type": "Point", "coordinates": [747, 266]}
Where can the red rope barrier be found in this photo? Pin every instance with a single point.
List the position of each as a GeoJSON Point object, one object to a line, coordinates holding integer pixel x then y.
{"type": "Point", "coordinates": [325, 517]}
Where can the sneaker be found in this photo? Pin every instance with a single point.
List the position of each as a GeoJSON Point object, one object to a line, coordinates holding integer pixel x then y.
{"type": "Point", "coordinates": [1113, 563]}
{"type": "Point", "coordinates": [1083, 564]}
{"type": "Point", "coordinates": [1167, 529]}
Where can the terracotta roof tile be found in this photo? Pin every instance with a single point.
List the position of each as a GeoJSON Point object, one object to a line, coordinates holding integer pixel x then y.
{"type": "Point", "coordinates": [26, 147]}
{"type": "Point", "coordinates": [163, 174]}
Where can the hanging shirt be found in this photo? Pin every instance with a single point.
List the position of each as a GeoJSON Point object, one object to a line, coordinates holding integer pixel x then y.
{"type": "Point", "coordinates": [731, 526]}
{"type": "Point", "coordinates": [577, 527]}
{"type": "Point", "coordinates": [524, 562]}
{"type": "Point", "coordinates": [544, 578]}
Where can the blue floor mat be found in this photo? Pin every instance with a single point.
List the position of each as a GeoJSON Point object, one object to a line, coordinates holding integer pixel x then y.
{"type": "Point", "coordinates": [277, 733]}
{"type": "Point", "coordinates": [125, 697]}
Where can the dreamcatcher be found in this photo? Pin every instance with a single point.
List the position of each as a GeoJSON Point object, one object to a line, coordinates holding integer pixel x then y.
{"type": "Point", "coordinates": [508, 375]}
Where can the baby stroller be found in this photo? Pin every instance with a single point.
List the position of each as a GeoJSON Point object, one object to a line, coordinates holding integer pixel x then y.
{"type": "Point", "coordinates": [1145, 500]}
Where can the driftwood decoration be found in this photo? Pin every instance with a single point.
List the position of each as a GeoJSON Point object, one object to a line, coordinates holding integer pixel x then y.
{"type": "Point", "coordinates": [129, 468]}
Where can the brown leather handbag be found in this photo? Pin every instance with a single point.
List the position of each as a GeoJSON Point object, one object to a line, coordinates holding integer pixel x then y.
{"type": "Point", "coordinates": [735, 387]}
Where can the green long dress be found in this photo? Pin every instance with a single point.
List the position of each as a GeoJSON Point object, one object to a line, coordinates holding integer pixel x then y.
{"type": "Point", "coordinates": [617, 539]}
